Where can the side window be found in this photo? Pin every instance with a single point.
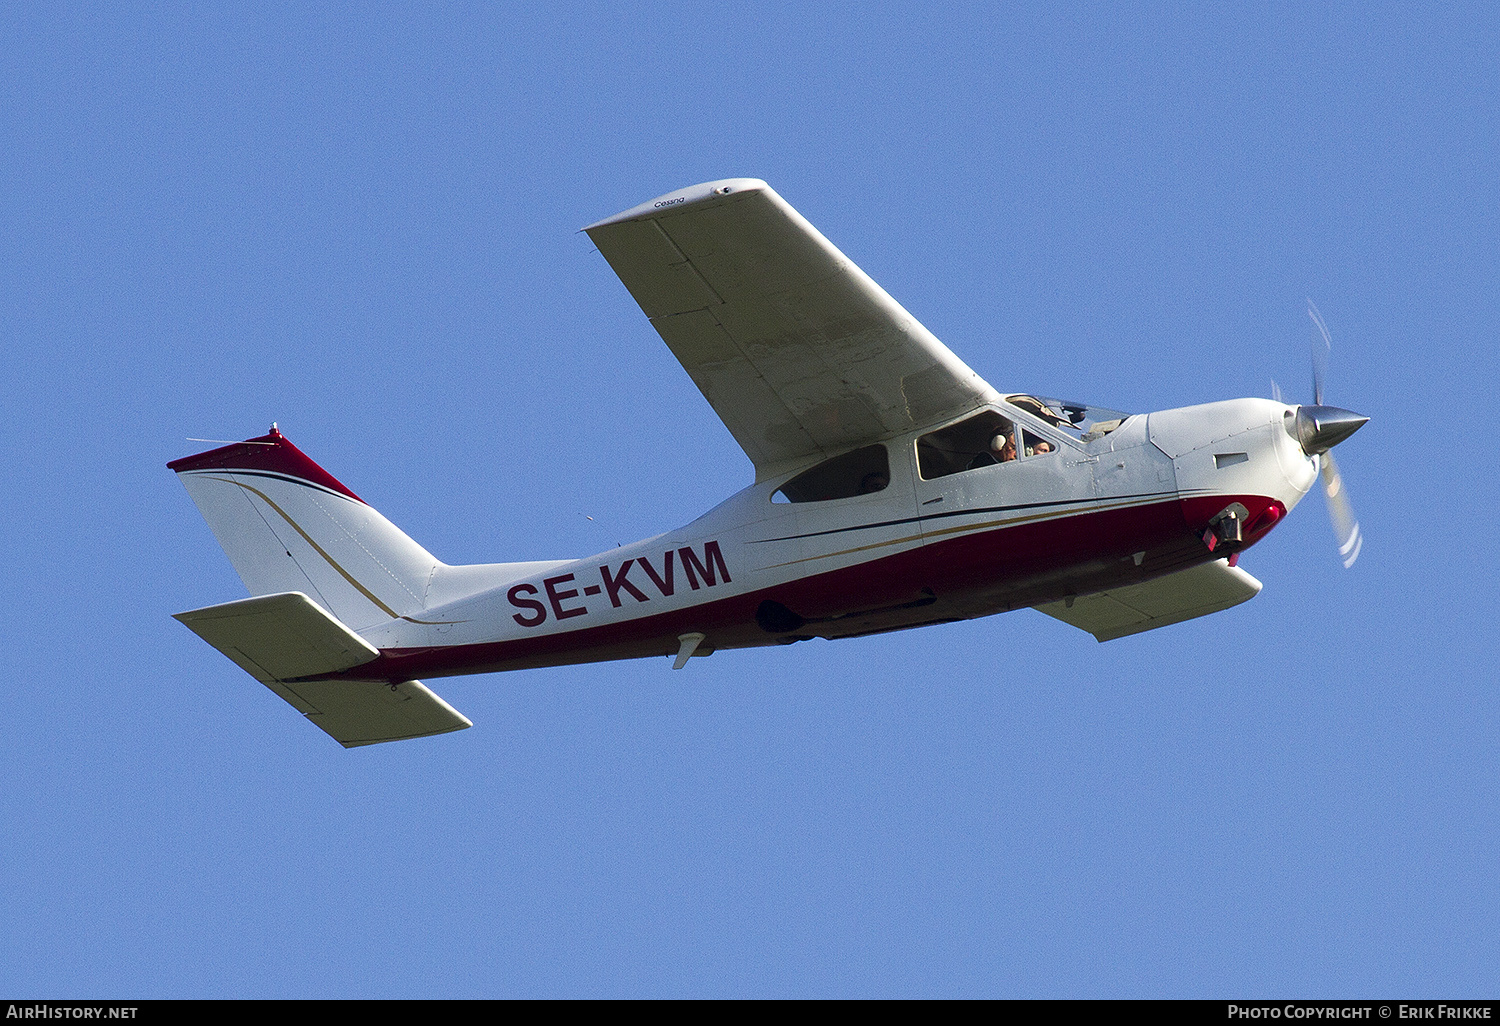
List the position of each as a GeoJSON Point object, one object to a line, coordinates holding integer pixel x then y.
{"type": "Point", "coordinates": [983, 440]}
{"type": "Point", "coordinates": [1036, 445]}
{"type": "Point", "coordinates": [861, 472]}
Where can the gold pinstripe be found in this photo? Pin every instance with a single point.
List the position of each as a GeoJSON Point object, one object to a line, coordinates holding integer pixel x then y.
{"type": "Point", "coordinates": [346, 575]}
{"type": "Point", "coordinates": [965, 528]}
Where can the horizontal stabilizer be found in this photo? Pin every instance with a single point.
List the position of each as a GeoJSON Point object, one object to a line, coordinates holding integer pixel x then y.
{"type": "Point", "coordinates": [1174, 598]}
{"type": "Point", "coordinates": [280, 638]}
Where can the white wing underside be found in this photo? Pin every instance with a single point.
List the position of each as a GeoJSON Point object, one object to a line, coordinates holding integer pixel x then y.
{"type": "Point", "coordinates": [1184, 595]}
{"type": "Point", "coordinates": [798, 351]}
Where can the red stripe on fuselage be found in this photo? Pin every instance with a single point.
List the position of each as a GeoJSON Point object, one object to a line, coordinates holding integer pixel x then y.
{"type": "Point", "coordinates": [968, 575]}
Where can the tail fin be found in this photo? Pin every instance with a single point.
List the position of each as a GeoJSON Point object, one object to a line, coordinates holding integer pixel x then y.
{"type": "Point", "coordinates": [288, 525]}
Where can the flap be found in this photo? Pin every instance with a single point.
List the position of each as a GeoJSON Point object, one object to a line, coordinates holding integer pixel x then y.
{"type": "Point", "coordinates": [1184, 595]}
{"type": "Point", "coordinates": [797, 350]}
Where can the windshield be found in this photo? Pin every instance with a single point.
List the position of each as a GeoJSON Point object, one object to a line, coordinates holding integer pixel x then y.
{"type": "Point", "coordinates": [1085, 423]}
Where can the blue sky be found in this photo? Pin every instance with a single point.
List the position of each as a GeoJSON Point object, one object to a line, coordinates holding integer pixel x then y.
{"type": "Point", "coordinates": [363, 225]}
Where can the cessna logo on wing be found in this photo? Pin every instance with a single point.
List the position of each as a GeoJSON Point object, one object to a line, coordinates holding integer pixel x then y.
{"type": "Point", "coordinates": [566, 600]}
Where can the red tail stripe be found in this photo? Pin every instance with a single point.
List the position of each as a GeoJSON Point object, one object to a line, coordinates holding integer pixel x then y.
{"type": "Point", "coordinates": [270, 452]}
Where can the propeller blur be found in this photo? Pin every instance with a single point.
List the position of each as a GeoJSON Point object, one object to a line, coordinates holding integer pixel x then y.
{"type": "Point", "coordinates": [1320, 428]}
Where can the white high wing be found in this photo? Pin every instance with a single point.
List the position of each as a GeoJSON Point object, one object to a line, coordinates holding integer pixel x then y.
{"type": "Point", "coordinates": [797, 350]}
{"type": "Point", "coordinates": [894, 488]}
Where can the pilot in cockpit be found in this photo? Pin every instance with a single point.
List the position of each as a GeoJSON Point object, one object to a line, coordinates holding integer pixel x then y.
{"type": "Point", "coordinates": [1001, 449]}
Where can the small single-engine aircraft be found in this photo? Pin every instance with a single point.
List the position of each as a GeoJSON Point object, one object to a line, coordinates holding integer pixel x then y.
{"type": "Point", "coordinates": [893, 488]}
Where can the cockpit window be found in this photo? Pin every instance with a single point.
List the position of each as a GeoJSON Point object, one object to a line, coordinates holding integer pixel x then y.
{"type": "Point", "coordinates": [1035, 445]}
{"type": "Point", "coordinates": [861, 472]}
{"type": "Point", "coordinates": [983, 440]}
{"type": "Point", "coordinates": [1084, 423]}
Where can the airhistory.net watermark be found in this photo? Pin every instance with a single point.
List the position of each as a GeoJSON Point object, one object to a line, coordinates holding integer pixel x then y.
{"type": "Point", "coordinates": [42, 1010]}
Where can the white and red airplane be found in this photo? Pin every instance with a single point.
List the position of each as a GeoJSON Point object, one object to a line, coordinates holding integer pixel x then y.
{"type": "Point", "coordinates": [893, 488]}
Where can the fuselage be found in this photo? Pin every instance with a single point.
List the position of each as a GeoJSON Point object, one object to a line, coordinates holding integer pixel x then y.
{"type": "Point", "coordinates": [1069, 513]}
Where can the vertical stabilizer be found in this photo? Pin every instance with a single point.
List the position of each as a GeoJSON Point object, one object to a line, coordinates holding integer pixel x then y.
{"type": "Point", "coordinates": [288, 525]}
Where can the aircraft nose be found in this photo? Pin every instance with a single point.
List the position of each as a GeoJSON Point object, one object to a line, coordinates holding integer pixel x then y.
{"type": "Point", "coordinates": [1320, 428]}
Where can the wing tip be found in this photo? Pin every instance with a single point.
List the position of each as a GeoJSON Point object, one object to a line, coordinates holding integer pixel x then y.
{"type": "Point", "coordinates": [690, 196]}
